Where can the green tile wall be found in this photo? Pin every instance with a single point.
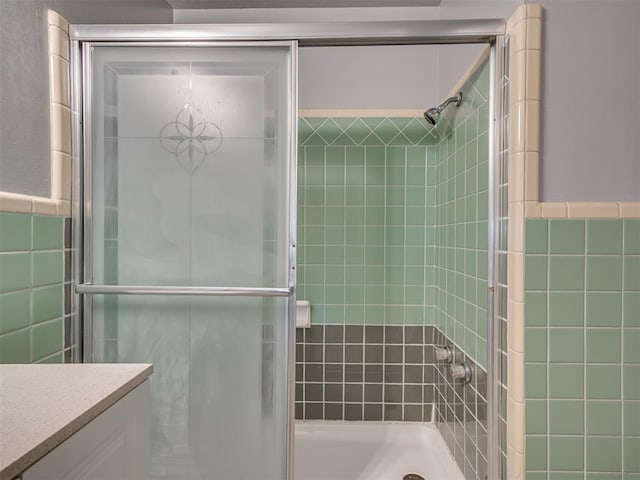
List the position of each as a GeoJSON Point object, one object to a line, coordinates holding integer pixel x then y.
{"type": "Point", "coordinates": [462, 213]}
{"type": "Point", "coordinates": [582, 360]}
{"type": "Point", "coordinates": [392, 219]}
{"type": "Point", "coordinates": [31, 288]}
{"type": "Point", "coordinates": [366, 220]}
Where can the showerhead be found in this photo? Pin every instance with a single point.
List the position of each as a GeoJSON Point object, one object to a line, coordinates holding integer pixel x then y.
{"type": "Point", "coordinates": [432, 115]}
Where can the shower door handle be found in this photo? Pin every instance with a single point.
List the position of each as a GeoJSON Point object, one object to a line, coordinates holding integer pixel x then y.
{"type": "Point", "coordinates": [89, 289]}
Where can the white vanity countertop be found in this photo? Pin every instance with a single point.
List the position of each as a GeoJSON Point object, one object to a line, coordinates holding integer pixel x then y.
{"type": "Point", "coordinates": [43, 405]}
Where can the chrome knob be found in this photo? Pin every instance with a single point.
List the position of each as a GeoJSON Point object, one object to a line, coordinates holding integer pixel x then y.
{"type": "Point", "coordinates": [461, 371]}
{"type": "Point", "coordinates": [444, 354]}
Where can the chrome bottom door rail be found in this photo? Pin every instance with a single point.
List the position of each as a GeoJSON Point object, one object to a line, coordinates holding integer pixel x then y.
{"type": "Point", "coordinates": [89, 289]}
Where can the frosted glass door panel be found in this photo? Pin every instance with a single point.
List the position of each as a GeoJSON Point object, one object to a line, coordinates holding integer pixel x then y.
{"type": "Point", "coordinates": [190, 170]}
{"type": "Point", "coordinates": [191, 165]}
{"type": "Point", "coordinates": [219, 380]}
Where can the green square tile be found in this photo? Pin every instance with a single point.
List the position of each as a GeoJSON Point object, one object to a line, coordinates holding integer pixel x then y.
{"type": "Point", "coordinates": [566, 453]}
{"type": "Point", "coordinates": [566, 272]}
{"type": "Point", "coordinates": [565, 381]}
{"type": "Point", "coordinates": [336, 215]}
{"type": "Point", "coordinates": [632, 272]}
{"type": "Point", "coordinates": [631, 380]}
{"type": "Point", "coordinates": [631, 309]}
{"type": "Point", "coordinates": [14, 347]}
{"type": "Point", "coordinates": [631, 237]}
{"type": "Point", "coordinates": [604, 273]}
{"type": "Point", "coordinates": [566, 345]}
{"type": "Point", "coordinates": [46, 339]}
{"type": "Point", "coordinates": [566, 417]}
{"type": "Point", "coordinates": [537, 233]}
{"type": "Point", "coordinates": [536, 475]}
{"type": "Point", "coordinates": [374, 314]}
{"type": "Point", "coordinates": [535, 272]}
{"type": "Point", "coordinates": [603, 345]}
{"type": "Point", "coordinates": [535, 380]}
{"type": "Point", "coordinates": [15, 271]}
{"type": "Point", "coordinates": [334, 235]}
{"type": "Point", "coordinates": [566, 309]}
{"type": "Point", "coordinates": [354, 196]}
{"type": "Point", "coordinates": [603, 382]}
{"type": "Point", "coordinates": [631, 458]}
{"type": "Point", "coordinates": [536, 457]}
{"type": "Point", "coordinates": [47, 268]}
{"type": "Point", "coordinates": [604, 237]}
{"type": "Point", "coordinates": [604, 418]}
{"type": "Point", "coordinates": [535, 309]}
{"type": "Point", "coordinates": [15, 232]}
{"type": "Point", "coordinates": [632, 418]}
{"type": "Point", "coordinates": [334, 274]}
{"type": "Point", "coordinates": [566, 236]}
{"type": "Point", "coordinates": [14, 311]}
{"type": "Point", "coordinates": [604, 454]}
{"type": "Point", "coordinates": [535, 344]}
{"type": "Point", "coordinates": [536, 413]}
{"type": "Point", "coordinates": [604, 309]}
{"type": "Point", "coordinates": [47, 303]}
{"type": "Point", "coordinates": [354, 175]}
{"type": "Point", "coordinates": [414, 315]}
{"type": "Point", "coordinates": [631, 343]}
{"type": "Point", "coordinates": [352, 216]}
{"type": "Point", "coordinates": [47, 232]}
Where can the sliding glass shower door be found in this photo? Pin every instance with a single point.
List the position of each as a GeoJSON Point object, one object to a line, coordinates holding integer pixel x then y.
{"type": "Point", "coordinates": [188, 251]}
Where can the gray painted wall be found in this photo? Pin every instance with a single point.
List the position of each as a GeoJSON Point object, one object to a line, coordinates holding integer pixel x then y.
{"type": "Point", "coordinates": [24, 80]}
{"type": "Point", "coordinates": [591, 100]}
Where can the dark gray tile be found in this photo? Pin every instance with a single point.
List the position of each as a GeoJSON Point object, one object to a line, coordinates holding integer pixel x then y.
{"type": "Point", "coordinates": [353, 411]}
{"type": "Point", "coordinates": [413, 373]}
{"type": "Point", "coordinates": [412, 413]}
{"type": "Point", "coordinates": [353, 333]}
{"type": "Point", "coordinates": [299, 372]}
{"type": "Point", "coordinates": [413, 354]}
{"type": "Point", "coordinates": [333, 353]}
{"type": "Point", "coordinates": [392, 413]}
{"type": "Point", "coordinates": [373, 412]}
{"type": "Point", "coordinates": [299, 411]}
{"type": "Point", "coordinates": [393, 373]}
{"type": "Point", "coordinates": [313, 353]}
{"type": "Point", "coordinates": [315, 334]}
{"type": "Point", "coordinates": [413, 335]}
{"type": "Point", "coordinates": [427, 393]}
{"type": "Point", "coordinates": [353, 353]}
{"type": "Point", "coordinates": [373, 392]}
{"type": "Point", "coordinates": [413, 394]}
{"type": "Point", "coordinates": [353, 392]}
{"type": "Point", "coordinates": [429, 334]}
{"type": "Point", "coordinates": [67, 233]}
{"type": "Point", "coordinates": [299, 352]}
{"type": "Point", "coordinates": [299, 391]}
{"type": "Point", "coordinates": [313, 372]}
{"type": "Point", "coordinates": [333, 372]}
{"type": "Point", "coordinates": [429, 354]}
{"type": "Point", "coordinates": [334, 334]}
{"type": "Point", "coordinates": [429, 374]}
{"type": "Point", "coordinates": [313, 392]}
{"type": "Point", "coordinates": [393, 334]}
{"type": "Point", "coordinates": [373, 353]}
{"type": "Point", "coordinates": [313, 411]}
{"type": "Point", "coordinates": [374, 334]}
{"type": "Point", "coordinates": [353, 372]}
{"type": "Point", "coordinates": [426, 412]}
{"type": "Point", "coordinates": [67, 265]}
{"type": "Point", "coordinates": [333, 411]}
{"type": "Point", "coordinates": [333, 392]}
{"type": "Point", "coordinates": [393, 353]}
{"type": "Point", "coordinates": [299, 335]}
{"type": "Point", "coordinates": [373, 373]}
{"type": "Point", "coordinates": [67, 332]}
{"type": "Point", "coordinates": [393, 393]}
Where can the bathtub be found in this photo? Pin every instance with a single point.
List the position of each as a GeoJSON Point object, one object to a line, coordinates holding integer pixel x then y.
{"type": "Point", "coordinates": [371, 451]}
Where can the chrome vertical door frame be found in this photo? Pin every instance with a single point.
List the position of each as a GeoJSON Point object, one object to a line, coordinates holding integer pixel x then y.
{"type": "Point", "coordinates": [496, 133]}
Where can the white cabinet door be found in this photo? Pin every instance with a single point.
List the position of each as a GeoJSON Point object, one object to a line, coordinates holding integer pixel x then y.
{"type": "Point", "coordinates": [114, 445]}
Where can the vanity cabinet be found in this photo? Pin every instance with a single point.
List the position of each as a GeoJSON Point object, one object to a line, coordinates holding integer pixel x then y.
{"type": "Point", "coordinates": [114, 445]}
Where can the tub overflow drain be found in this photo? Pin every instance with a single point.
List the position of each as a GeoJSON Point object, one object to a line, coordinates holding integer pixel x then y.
{"type": "Point", "coordinates": [413, 476]}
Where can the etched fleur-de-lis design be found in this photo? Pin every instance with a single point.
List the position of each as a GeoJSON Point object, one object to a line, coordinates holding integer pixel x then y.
{"type": "Point", "coordinates": [191, 138]}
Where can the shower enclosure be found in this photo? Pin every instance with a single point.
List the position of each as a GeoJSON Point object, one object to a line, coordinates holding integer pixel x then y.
{"type": "Point", "coordinates": [184, 225]}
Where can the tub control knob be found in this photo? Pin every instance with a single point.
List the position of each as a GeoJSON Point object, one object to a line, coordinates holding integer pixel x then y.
{"type": "Point", "coordinates": [444, 354]}
{"type": "Point", "coordinates": [461, 371]}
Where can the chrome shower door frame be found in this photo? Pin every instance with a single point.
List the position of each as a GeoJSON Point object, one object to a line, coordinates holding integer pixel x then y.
{"type": "Point", "coordinates": [489, 31]}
